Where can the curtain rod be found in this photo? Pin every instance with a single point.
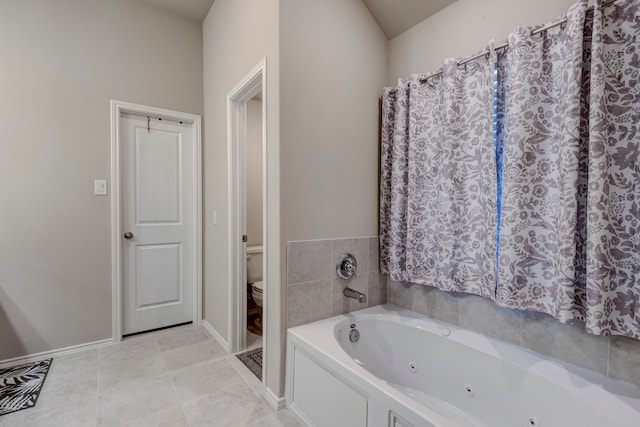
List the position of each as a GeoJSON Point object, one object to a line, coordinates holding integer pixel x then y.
{"type": "Point", "coordinates": [564, 20]}
{"type": "Point", "coordinates": [506, 44]}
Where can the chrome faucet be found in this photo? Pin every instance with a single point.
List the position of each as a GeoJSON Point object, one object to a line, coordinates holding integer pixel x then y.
{"type": "Point", "coordinates": [352, 293]}
{"type": "Point", "coordinates": [346, 269]}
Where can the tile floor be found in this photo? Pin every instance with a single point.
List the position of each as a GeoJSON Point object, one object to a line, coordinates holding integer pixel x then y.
{"type": "Point", "coordinates": [176, 377]}
{"type": "Point", "coordinates": [253, 341]}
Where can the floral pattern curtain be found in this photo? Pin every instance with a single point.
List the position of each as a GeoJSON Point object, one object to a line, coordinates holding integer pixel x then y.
{"type": "Point", "coordinates": [541, 80]}
{"type": "Point", "coordinates": [612, 237]}
{"type": "Point", "coordinates": [394, 158]}
{"type": "Point", "coordinates": [569, 240]}
{"type": "Point", "coordinates": [438, 180]}
{"type": "Point", "coordinates": [568, 183]}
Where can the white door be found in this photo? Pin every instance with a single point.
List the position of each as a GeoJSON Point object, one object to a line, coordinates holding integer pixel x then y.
{"type": "Point", "coordinates": [157, 230]}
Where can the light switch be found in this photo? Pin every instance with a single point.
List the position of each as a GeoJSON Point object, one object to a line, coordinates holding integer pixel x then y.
{"type": "Point", "coordinates": [100, 187]}
{"type": "Point", "coordinates": [215, 217]}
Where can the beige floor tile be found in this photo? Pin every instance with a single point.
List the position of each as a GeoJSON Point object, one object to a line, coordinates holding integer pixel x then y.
{"type": "Point", "coordinates": [194, 382]}
{"type": "Point", "coordinates": [243, 371]}
{"type": "Point", "coordinates": [253, 341]}
{"type": "Point", "coordinates": [170, 339]}
{"type": "Point", "coordinates": [60, 394]}
{"type": "Point", "coordinates": [116, 375]}
{"type": "Point", "coordinates": [145, 398]}
{"type": "Point", "coordinates": [192, 354]}
{"type": "Point", "coordinates": [258, 389]}
{"type": "Point", "coordinates": [234, 407]}
{"type": "Point", "coordinates": [173, 417]}
{"type": "Point", "coordinates": [79, 414]}
{"type": "Point", "coordinates": [281, 419]}
{"type": "Point", "coordinates": [76, 367]}
{"type": "Point", "coordinates": [130, 384]}
{"type": "Point", "coordinates": [136, 348]}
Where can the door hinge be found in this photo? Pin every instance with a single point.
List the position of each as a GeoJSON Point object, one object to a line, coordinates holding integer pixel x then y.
{"type": "Point", "coordinates": [244, 238]}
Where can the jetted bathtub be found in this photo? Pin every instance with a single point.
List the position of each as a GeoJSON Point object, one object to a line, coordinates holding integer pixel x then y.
{"type": "Point", "coordinates": [387, 366]}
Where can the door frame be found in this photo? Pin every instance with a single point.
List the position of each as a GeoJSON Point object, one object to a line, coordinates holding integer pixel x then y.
{"type": "Point", "coordinates": [117, 109]}
{"type": "Point", "coordinates": [253, 83]}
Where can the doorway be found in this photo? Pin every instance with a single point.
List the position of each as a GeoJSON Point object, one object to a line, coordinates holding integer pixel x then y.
{"type": "Point", "coordinates": [239, 101]}
{"type": "Point", "coordinates": [254, 158]}
{"type": "Point", "coordinates": [156, 221]}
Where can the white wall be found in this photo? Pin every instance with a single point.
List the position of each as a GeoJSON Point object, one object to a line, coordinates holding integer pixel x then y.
{"type": "Point", "coordinates": [254, 173]}
{"type": "Point", "coordinates": [462, 29]}
{"type": "Point", "coordinates": [237, 35]}
{"type": "Point", "coordinates": [61, 63]}
{"type": "Point", "coordinates": [333, 67]}
{"type": "Point", "coordinates": [334, 59]}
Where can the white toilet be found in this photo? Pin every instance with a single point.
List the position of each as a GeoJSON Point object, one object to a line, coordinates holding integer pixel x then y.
{"type": "Point", "coordinates": [256, 293]}
{"type": "Point", "coordinates": [254, 275]}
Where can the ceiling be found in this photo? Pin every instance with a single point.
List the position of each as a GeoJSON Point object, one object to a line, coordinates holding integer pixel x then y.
{"type": "Point", "coordinates": [192, 9]}
{"type": "Point", "coordinates": [397, 16]}
{"type": "Point", "coordinates": [393, 16]}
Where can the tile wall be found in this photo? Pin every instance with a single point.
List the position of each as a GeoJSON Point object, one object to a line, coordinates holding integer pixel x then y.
{"type": "Point", "coordinates": [617, 357]}
{"type": "Point", "coordinates": [314, 290]}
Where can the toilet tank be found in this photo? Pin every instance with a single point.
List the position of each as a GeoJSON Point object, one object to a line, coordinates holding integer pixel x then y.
{"type": "Point", "coordinates": [254, 264]}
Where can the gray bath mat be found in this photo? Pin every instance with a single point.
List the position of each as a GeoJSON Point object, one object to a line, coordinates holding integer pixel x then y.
{"type": "Point", "coordinates": [252, 359]}
{"type": "Point", "coordinates": [20, 385]}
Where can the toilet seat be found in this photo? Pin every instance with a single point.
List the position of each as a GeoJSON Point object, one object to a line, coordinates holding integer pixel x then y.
{"type": "Point", "coordinates": [258, 286]}
{"type": "Point", "coordinates": [256, 293]}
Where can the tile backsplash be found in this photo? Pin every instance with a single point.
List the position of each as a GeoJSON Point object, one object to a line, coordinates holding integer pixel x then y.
{"type": "Point", "coordinates": [617, 357]}
{"type": "Point", "coordinates": [314, 290]}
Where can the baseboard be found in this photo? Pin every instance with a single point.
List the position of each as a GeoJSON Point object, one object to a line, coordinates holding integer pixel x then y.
{"type": "Point", "coordinates": [207, 326]}
{"type": "Point", "coordinates": [54, 353]}
{"type": "Point", "coordinates": [274, 402]}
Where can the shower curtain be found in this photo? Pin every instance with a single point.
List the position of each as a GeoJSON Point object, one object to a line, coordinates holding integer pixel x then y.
{"type": "Point", "coordinates": [612, 237]}
{"type": "Point", "coordinates": [570, 235]}
{"type": "Point", "coordinates": [566, 193]}
{"type": "Point", "coordinates": [394, 180]}
{"type": "Point", "coordinates": [542, 87]}
{"type": "Point", "coordinates": [438, 188]}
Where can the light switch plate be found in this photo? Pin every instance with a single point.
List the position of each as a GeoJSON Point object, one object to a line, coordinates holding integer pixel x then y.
{"type": "Point", "coordinates": [100, 187]}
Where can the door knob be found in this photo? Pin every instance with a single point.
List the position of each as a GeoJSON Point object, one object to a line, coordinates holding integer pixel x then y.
{"type": "Point", "coordinates": [128, 235]}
